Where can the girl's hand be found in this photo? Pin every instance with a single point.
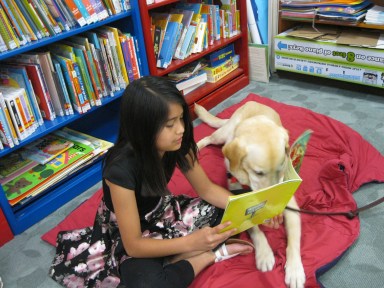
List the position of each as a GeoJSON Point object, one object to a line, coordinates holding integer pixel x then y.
{"type": "Point", "coordinates": [208, 238]}
{"type": "Point", "coordinates": [275, 222]}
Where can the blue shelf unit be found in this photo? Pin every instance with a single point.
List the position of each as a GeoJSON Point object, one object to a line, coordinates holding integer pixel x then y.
{"type": "Point", "coordinates": [100, 121]}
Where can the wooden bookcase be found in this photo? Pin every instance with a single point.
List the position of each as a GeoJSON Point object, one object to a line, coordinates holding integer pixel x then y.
{"type": "Point", "coordinates": [100, 121]}
{"type": "Point", "coordinates": [210, 94]}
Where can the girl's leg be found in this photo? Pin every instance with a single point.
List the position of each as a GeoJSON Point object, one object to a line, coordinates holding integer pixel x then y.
{"type": "Point", "coordinates": [150, 273]}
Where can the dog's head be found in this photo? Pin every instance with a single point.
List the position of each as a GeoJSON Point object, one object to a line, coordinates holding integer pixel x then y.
{"type": "Point", "coordinates": [258, 154]}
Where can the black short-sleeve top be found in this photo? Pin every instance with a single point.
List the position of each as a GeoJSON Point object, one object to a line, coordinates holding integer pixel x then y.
{"type": "Point", "coordinates": [124, 172]}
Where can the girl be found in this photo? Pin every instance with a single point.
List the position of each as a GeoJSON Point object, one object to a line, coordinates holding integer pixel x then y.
{"type": "Point", "coordinates": [143, 236]}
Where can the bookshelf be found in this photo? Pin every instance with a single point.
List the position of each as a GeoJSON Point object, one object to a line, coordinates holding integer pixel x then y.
{"type": "Point", "coordinates": [285, 24]}
{"type": "Point", "coordinates": [210, 94]}
{"type": "Point", "coordinates": [100, 121]}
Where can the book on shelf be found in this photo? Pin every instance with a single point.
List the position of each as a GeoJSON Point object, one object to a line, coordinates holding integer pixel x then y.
{"type": "Point", "coordinates": [31, 10]}
{"type": "Point", "coordinates": [45, 17]}
{"type": "Point", "coordinates": [100, 9]}
{"type": "Point", "coordinates": [5, 130]}
{"type": "Point", "coordinates": [133, 55]}
{"type": "Point", "coordinates": [92, 64]}
{"type": "Point", "coordinates": [40, 87]}
{"type": "Point", "coordinates": [75, 12]}
{"type": "Point", "coordinates": [198, 44]}
{"type": "Point", "coordinates": [20, 118]}
{"type": "Point", "coordinates": [189, 37]}
{"type": "Point", "coordinates": [160, 22]}
{"type": "Point", "coordinates": [8, 119]}
{"type": "Point", "coordinates": [119, 53]}
{"type": "Point", "coordinates": [72, 85]}
{"type": "Point", "coordinates": [86, 67]}
{"type": "Point", "coordinates": [219, 56]}
{"type": "Point", "coordinates": [230, 68]}
{"type": "Point", "coordinates": [189, 89]}
{"type": "Point", "coordinates": [57, 13]}
{"type": "Point", "coordinates": [123, 40]}
{"type": "Point", "coordinates": [6, 32]}
{"type": "Point", "coordinates": [170, 37]}
{"type": "Point", "coordinates": [62, 88]}
{"type": "Point", "coordinates": [25, 108]}
{"type": "Point", "coordinates": [197, 78]}
{"type": "Point", "coordinates": [101, 58]}
{"type": "Point", "coordinates": [25, 184]}
{"type": "Point", "coordinates": [257, 207]}
{"type": "Point", "coordinates": [109, 64]}
{"type": "Point", "coordinates": [46, 148]}
{"type": "Point", "coordinates": [67, 51]}
{"type": "Point", "coordinates": [112, 53]}
{"type": "Point", "coordinates": [100, 148]}
{"type": "Point", "coordinates": [13, 165]}
{"type": "Point", "coordinates": [186, 21]}
{"type": "Point", "coordinates": [12, 18]}
{"type": "Point", "coordinates": [44, 62]}
{"type": "Point", "coordinates": [187, 70]}
{"type": "Point", "coordinates": [16, 76]}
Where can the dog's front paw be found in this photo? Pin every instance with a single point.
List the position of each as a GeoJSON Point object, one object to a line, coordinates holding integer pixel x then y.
{"type": "Point", "coordinates": [265, 260]}
{"type": "Point", "coordinates": [294, 274]}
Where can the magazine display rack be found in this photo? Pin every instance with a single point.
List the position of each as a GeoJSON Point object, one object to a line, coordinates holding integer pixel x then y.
{"type": "Point", "coordinates": [210, 94]}
{"type": "Point", "coordinates": [100, 121]}
{"type": "Point", "coordinates": [369, 74]}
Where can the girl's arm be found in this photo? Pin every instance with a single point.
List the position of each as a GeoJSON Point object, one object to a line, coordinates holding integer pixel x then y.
{"type": "Point", "coordinates": [127, 215]}
{"type": "Point", "coordinates": [205, 188]}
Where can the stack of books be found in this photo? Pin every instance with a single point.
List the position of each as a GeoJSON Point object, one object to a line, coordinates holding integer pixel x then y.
{"type": "Point", "coordinates": [190, 28]}
{"type": "Point", "coordinates": [30, 171]}
{"type": "Point", "coordinates": [70, 76]}
{"type": "Point", "coordinates": [326, 10]}
{"type": "Point", "coordinates": [189, 77]}
{"type": "Point", "coordinates": [220, 63]}
{"type": "Point", "coordinates": [24, 21]}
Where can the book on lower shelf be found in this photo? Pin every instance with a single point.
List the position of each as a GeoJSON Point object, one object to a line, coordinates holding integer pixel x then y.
{"type": "Point", "coordinates": [35, 178]}
{"type": "Point", "coordinates": [46, 148]}
{"type": "Point", "coordinates": [257, 207]}
{"type": "Point", "coordinates": [201, 76]}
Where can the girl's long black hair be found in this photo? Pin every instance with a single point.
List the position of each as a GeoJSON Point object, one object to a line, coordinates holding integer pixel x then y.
{"type": "Point", "coordinates": [144, 111]}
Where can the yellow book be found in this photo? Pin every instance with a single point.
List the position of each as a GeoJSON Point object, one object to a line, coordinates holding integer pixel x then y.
{"type": "Point", "coordinates": [120, 55]}
{"type": "Point", "coordinates": [256, 207]}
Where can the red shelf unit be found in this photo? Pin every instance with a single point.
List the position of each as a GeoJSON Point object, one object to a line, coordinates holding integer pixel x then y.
{"type": "Point", "coordinates": [210, 94]}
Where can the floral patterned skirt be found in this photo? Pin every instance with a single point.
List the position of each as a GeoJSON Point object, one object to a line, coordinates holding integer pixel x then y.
{"type": "Point", "coordinates": [90, 257]}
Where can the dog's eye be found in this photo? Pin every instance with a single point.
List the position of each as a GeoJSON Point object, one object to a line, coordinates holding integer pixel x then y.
{"type": "Point", "coordinates": [259, 173]}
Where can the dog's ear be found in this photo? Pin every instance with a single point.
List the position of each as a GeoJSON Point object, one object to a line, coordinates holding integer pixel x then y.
{"type": "Point", "coordinates": [234, 153]}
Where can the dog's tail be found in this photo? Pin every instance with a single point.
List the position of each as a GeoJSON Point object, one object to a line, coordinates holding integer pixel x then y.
{"type": "Point", "coordinates": [208, 118]}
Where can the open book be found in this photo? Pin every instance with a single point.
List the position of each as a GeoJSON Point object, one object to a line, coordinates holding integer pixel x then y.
{"type": "Point", "coordinates": [257, 207]}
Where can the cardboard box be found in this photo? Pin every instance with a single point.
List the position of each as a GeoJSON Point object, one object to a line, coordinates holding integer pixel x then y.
{"type": "Point", "coordinates": [352, 51]}
{"type": "Point", "coordinates": [331, 70]}
{"type": "Point", "coordinates": [6, 233]}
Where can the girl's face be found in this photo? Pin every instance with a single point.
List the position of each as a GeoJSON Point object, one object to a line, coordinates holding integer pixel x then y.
{"type": "Point", "coordinates": [171, 135]}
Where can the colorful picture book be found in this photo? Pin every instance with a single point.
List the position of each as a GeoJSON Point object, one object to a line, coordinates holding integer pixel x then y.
{"type": "Point", "coordinates": [26, 183]}
{"type": "Point", "coordinates": [46, 148]}
{"type": "Point", "coordinates": [257, 207]}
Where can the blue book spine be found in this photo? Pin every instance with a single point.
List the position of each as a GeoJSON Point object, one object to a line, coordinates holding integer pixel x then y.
{"type": "Point", "coordinates": [83, 11]}
{"type": "Point", "coordinates": [82, 96]}
{"type": "Point", "coordinates": [23, 39]}
{"type": "Point", "coordinates": [60, 76]}
{"type": "Point", "coordinates": [166, 49]}
{"type": "Point", "coordinates": [187, 40]}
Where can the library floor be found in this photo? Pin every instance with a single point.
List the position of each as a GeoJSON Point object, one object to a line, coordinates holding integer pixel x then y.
{"type": "Point", "coordinates": [24, 262]}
